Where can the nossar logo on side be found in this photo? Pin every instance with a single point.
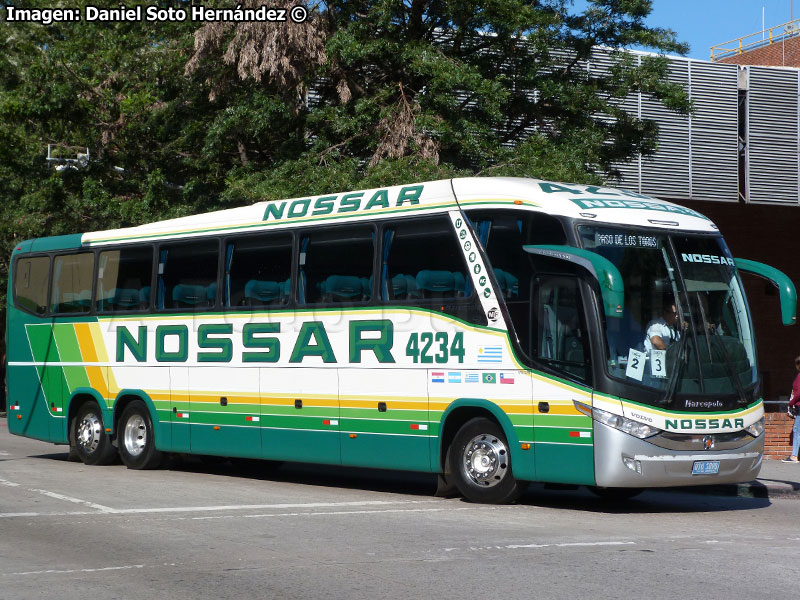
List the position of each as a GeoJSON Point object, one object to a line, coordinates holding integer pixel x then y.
{"type": "Point", "coordinates": [342, 203]}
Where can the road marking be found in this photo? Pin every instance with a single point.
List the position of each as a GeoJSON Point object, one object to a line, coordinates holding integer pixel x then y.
{"type": "Point", "coordinates": [56, 496]}
{"type": "Point", "coordinates": [190, 509]}
{"type": "Point", "coordinates": [76, 513]}
{"type": "Point", "coordinates": [100, 507]}
{"type": "Point", "coordinates": [536, 546]}
{"type": "Point", "coordinates": [347, 512]}
{"type": "Point", "coordinates": [67, 571]}
{"type": "Point", "coordinates": [196, 509]}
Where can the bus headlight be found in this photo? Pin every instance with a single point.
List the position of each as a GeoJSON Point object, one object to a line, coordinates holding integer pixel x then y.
{"type": "Point", "coordinates": [757, 428]}
{"type": "Point", "coordinates": [629, 426]}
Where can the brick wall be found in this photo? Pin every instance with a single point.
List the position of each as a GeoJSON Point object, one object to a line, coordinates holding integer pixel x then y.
{"type": "Point", "coordinates": [767, 234]}
{"type": "Point", "coordinates": [778, 54]}
{"type": "Point", "coordinates": [779, 433]}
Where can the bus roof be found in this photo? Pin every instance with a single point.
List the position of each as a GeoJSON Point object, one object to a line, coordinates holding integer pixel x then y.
{"type": "Point", "coordinates": [598, 204]}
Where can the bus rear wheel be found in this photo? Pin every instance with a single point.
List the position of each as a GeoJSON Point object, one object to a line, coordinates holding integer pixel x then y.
{"type": "Point", "coordinates": [88, 436]}
{"type": "Point", "coordinates": [135, 438]}
{"type": "Point", "coordinates": [481, 463]}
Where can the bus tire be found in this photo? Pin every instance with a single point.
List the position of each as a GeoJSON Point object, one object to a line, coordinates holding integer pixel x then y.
{"type": "Point", "coordinates": [481, 463]}
{"type": "Point", "coordinates": [136, 439]}
{"type": "Point", "coordinates": [87, 432]}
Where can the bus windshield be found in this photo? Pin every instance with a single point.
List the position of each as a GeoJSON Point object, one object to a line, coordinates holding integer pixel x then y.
{"type": "Point", "coordinates": [685, 330]}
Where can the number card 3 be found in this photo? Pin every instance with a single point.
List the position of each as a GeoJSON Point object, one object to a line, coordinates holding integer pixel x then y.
{"type": "Point", "coordinates": [658, 363]}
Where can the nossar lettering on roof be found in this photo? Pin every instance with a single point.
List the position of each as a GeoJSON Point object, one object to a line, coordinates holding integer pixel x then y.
{"type": "Point", "coordinates": [385, 201]}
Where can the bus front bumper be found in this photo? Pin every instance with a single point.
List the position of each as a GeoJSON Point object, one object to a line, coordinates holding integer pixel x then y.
{"type": "Point", "coordinates": [622, 460]}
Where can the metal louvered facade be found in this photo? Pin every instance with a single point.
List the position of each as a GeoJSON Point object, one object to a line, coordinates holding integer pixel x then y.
{"type": "Point", "coordinates": [714, 131]}
{"type": "Point", "coordinates": [773, 171]}
{"type": "Point", "coordinates": [698, 155]}
{"type": "Point", "coordinates": [667, 172]}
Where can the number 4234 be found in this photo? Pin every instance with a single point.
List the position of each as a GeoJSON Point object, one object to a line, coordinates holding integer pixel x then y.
{"type": "Point", "coordinates": [429, 347]}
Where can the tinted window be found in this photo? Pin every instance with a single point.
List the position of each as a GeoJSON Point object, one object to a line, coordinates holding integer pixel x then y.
{"type": "Point", "coordinates": [123, 279]}
{"type": "Point", "coordinates": [561, 335]}
{"type": "Point", "coordinates": [336, 265]}
{"type": "Point", "coordinates": [423, 260]}
{"type": "Point", "coordinates": [258, 271]}
{"type": "Point", "coordinates": [188, 275]}
{"type": "Point", "coordinates": [72, 283]}
{"type": "Point", "coordinates": [30, 284]}
{"type": "Point", "coordinates": [503, 233]}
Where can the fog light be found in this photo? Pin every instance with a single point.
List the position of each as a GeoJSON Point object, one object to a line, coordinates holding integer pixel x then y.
{"type": "Point", "coordinates": [633, 465]}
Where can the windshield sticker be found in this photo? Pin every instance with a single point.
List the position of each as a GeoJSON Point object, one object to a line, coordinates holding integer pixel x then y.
{"type": "Point", "coordinates": [658, 363]}
{"type": "Point", "coordinates": [626, 240]}
{"type": "Point", "coordinates": [635, 368]}
{"type": "Point", "coordinates": [637, 204]}
{"type": "Point", "coordinates": [708, 259]}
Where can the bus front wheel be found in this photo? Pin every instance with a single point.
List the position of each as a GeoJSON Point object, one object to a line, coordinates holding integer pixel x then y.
{"type": "Point", "coordinates": [135, 439]}
{"type": "Point", "coordinates": [88, 436]}
{"type": "Point", "coordinates": [481, 463]}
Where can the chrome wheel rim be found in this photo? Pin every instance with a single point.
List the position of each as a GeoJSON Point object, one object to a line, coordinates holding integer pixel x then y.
{"type": "Point", "coordinates": [134, 436]}
{"type": "Point", "coordinates": [485, 460]}
{"type": "Point", "coordinates": [89, 433]}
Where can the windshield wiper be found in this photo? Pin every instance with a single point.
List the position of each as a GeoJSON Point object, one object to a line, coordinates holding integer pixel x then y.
{"type": "Point", "coordinates": [706, 326]}
{"type": "Point", "coordinates": [718, 343]}
{"type": "Point", "coordinates": [672, 383]}
{"type": "Point", "coordinates": [729, 368]}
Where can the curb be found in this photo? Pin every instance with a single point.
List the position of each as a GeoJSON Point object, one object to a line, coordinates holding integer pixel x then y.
{"type": "Point", "coordinates": [753, 489]}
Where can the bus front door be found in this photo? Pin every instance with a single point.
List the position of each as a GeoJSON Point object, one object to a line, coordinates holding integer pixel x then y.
{"type": "Point", "coordinates": [563, 442]}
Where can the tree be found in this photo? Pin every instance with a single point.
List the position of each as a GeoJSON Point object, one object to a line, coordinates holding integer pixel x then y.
{"type": "Point", "coordinates": [451, 87]}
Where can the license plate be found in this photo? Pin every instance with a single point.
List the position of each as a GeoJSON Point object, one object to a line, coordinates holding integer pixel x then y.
{"type": "Point", "coordinates": [705, 467]}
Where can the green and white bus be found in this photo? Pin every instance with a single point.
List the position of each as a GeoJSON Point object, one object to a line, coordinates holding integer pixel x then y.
{"type": "Point", "coordinates": [491, 330]}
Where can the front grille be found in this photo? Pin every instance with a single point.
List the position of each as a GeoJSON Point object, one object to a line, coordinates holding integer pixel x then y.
{"type": "Point", "coordinates": [694, 442]}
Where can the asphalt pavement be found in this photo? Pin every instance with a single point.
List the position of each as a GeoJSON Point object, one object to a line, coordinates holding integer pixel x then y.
{"type": "Point", "coordinates": [776, 480]}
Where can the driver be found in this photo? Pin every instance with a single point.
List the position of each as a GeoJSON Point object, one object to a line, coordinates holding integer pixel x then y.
{"type": "Point", "coordinates": [661, 332]}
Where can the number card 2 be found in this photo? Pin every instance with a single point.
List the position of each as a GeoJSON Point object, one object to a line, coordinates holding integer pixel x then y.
{"type": "Point", "coordinates": [635, 368]}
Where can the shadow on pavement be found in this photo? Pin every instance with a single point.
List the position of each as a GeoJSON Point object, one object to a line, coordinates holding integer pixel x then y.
{"type": "Point", "coordinates": [688, 500]}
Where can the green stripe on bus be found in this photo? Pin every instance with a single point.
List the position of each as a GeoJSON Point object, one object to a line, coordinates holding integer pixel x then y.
{"type": "Point", "coordinates": [43, 344]}
{"type": "Point", "coordinates": [76, 378]}
{"type": "Point", "coordinates": [576, 421]}
{"type": "Point", "coordinates": [378, 426]}
{"type": "Point", "coordinates": [562, 436]}
{"type": "Point", "coordinates": [67, 341]}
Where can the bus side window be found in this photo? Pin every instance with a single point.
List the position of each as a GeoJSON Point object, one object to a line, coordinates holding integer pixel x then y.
{"type": "Point", "coordinates": [187, 275]}
{"type": "Point", "coordinates": [123, 279]}
{"type": "Point", "coordinates": [258, 271]}
{"type": "Point", "coordinates": [72, 283]}
{"type": "Point", "coordinates": [335, 266]}
{"type": "Point", "coordinates": [423, 260]}
{"type": "Point", "coordinates": [30, 284]}
{"type": "Point", "coordinates": [561, 339]}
